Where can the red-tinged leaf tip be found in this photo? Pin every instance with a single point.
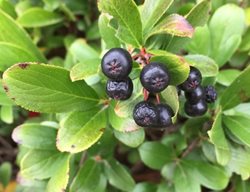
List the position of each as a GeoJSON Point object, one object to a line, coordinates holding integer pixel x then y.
{"type": "Point", "coordinates": [183, 26]}
{"type": "Point", "coordinates": [23, 65]}
{"type": "Point", "coordinates": [15, 135]}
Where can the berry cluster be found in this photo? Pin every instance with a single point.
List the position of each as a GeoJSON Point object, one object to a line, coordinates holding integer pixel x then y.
{"type": "Point", "coordinates": [197, 96]}
{"type": "Point", "coordinates": [116, 65]}
{"type": "Point", "coordinates": [154, 78]}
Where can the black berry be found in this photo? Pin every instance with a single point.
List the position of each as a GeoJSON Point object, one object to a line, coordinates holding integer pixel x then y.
{"type": "Point", "coordinates": [194, 79]}
{"type": "Point", "coordinates": [120, 89]}
{"type": "Point", "coordinates": [154, 77]}
{"type": "Point", "coordinates": [145, 114]}
{"type": "Point", "coordinates": [210, 94]}
{"type": "Point", "coordinates": [197, 109]}
{"type": "Point", "coordinates": [117, 63]}
{"type": "Point", "coordinates": [195, 95]}
{"type": "Point", "coordinates": [165, 115]}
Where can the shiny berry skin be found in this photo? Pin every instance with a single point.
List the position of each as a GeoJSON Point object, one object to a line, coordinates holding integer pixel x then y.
{"type": "Point", "coordinates": [154, 77]}
{"type": "Point", "coordinates": [194, 79]}
{"type": "Point", "coordinates": [165, 115]}
{"type": "Point", "coordinates": [119, 90]}
{"type": "Point", "coordinates": [117, 63]}
{"type": "Point", "coordinates": [145, 114]}
{"type": "Point", "coordinates": [198, 109]}
{"type": "Point", "coordinates": [195, 95]}
{"type": "Point", "coordinates": [210, 94]}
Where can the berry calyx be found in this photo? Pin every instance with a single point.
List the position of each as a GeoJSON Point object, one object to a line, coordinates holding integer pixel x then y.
{"type": "Point", "coordinates": [117, 63]}
{"type": "Point", "coordinates": [119, 89]}
{"type": "Point", "coordinates": [194, 79]}
{"type": "Point", "coordinates": [210, 94]}
{"type": "Point", "coordinates": [198, 109]}
{"type": "Point", "coordinates": [195, 95]}
{"type": "Point", "coordinates": [145, 114]}
{"type": "Point", "coordinates": [154, 77]}
{"type": "Point", "coordinates": [165, 115]}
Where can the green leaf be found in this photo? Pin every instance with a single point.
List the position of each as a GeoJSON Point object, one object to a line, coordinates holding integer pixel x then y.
{"type": "Point", "coordinates": [175, 25]}
{"type": "Point", "coordinates": [239, 162]}
{"type": "Point", "coordinates": [80, 130]}
{"type": "Point", "coordinates": [155, 155]}
{"type": "Point", "coordinates": [242, 109]}
{"type": "Point", "coordinates": [41, 164]}
{"type": "Point", "coordinates": [128, 17]}
{"type": "Point", "coordinates": [11, 54]}
{"type": "Point", "coordinates": [201, 41]}
{"type": "Point", "coordinates": [177, 66]}
{"type": "Point", "coordinates": [35, 136]}
{"type": "Point", "coordinates": [171, 98]}
{"type": "Point", "coordinates": [226, 27]}
{"type": "Point", "coordinates": [47, 88]}
{"type": "Point", "coordinates": [59, 180]}
{"type": "Point", "coordinates": [183, 180]}
{"type": "Point", "coordinates": [4, 99]}
{"type": "Point", "coordinates": [5, 173]}
{"type": "Point", "coordinates": [237, 92]}
{"type": "Point", "coordinates": [227, 76]}
{"type": "Point", "coordinates": [7, 7]}
{"type": "Point", "coordinates": [107, 32]}
{"type": "Point", "coordinates": [118, 176]}
{"type": "Point", "coordinates": [89, 178]}
{"type": "Point", "coordinates": [206, 65]}
{"type": "Point", "coordinates": [38, 17]}
{"type": "Point", "coordinates": [12, 33]}
{"type": "Point", "coordinates": [144, 187]}
{"type": "Point", "coordinates": [211, 176]}
{"type": "Point", "coordinates": [82, 52]}
{"type": "Point", "coordinates": [217, 137]}
{"type": "Point", "coordinates": [239, 126]}
{"type": "Point", "coordinates": [245, 44]}
{"type": "Point", "coordinates": [199, 14]}
{"type": "Point", "coordinates": [7, 114]}
{"type": "Point", "coordinates": [152, 11]}
{"type": "Point", "coordinates": [122, 124]}
{"type": "Point", "coordinates": [86, 70]}
{"type": "Point", "coordinates": [131, 139]}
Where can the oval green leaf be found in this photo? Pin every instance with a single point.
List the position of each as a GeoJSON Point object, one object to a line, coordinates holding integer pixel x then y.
{"type": "Point", "coordinates": [47, 88]}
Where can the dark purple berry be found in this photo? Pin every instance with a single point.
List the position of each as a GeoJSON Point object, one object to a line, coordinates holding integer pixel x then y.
{"type": "Point", "coordinates": [194, 79]}
{"type": "Point", "coordinates": [154, 77]}
{"type": "Point", "coordinates": [117, 63]}
{"type": "Point", "coordinates": [210, 94]}
{"type": "Point", "coordinates": [165, 115]}
{"type": "Point", "coordinates": [145, 114]}
{"type": "Point", "coordinates": [198, 109]}
{"type": "Point", "coordinates": [119, 90]}
{"type": "Point", "coordinates": [195, 95]}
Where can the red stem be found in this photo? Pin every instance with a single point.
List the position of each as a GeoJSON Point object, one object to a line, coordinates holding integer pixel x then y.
{"type": "Point", "coordinates": [158, 99]}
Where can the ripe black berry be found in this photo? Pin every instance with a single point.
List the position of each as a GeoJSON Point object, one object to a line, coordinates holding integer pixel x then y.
{"type": "Point", "coordinates": [195, 95]}
{"type": "Point", "coordinates": [194, 79]}
{"type": "Point", "coordinates": [119, 90]}
{"type": "Point", "coordinates": [154, 77]}
{"type": "Point", "coordinates": [117, 63]}
{"type": "Point", "coordinates": [145, 114]}
{"type": "Point", "coordinates": [165, 113]}
{"type": "Point", "coordinates": [197, 109]}
{"type": "Point", "coordinates": [210, 94]}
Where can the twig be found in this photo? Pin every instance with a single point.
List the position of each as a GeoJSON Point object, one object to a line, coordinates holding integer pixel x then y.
{"type": "Point", "coordinates": [191, 147]}
{"type": "Point", "coordinates": [5, 143]}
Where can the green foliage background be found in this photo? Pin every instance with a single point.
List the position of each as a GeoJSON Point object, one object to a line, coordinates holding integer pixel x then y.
{"type": "Point", "coordinates": [50, 53]}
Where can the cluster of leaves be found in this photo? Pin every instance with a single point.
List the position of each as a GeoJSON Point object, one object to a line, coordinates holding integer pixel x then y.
{"type": "Point", "coordinates": [72, 145]}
